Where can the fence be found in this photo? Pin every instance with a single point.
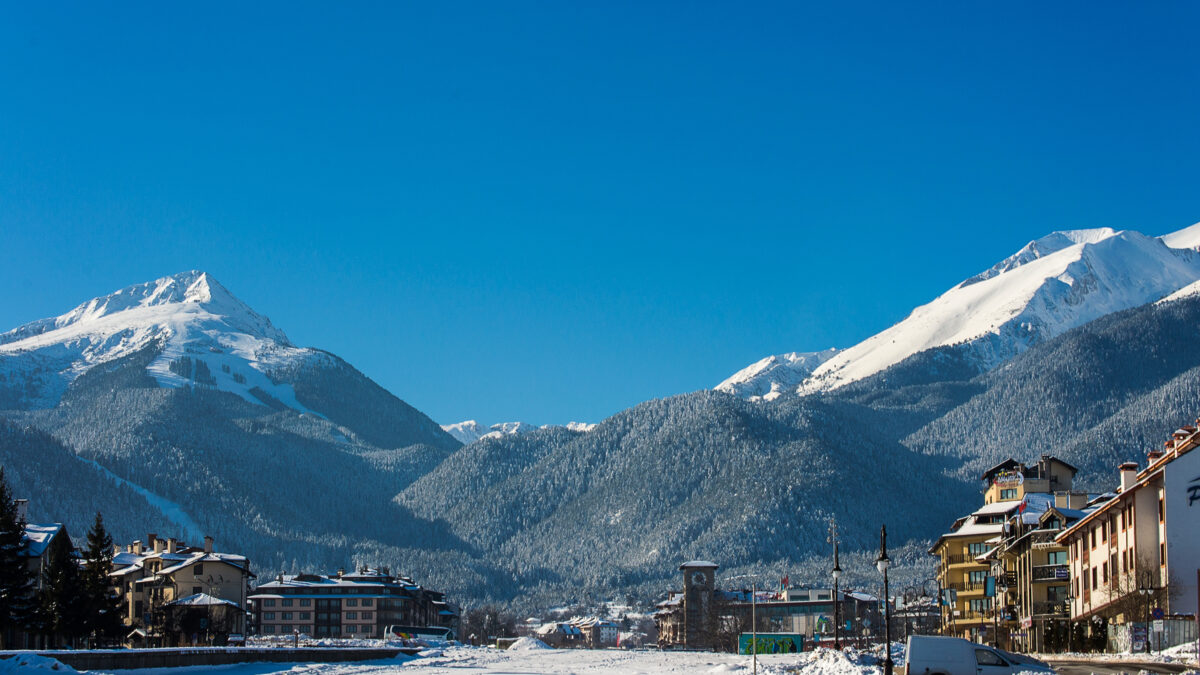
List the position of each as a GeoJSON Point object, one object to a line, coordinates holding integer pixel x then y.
{"type": "Point", "coordinates": [1175, 632]}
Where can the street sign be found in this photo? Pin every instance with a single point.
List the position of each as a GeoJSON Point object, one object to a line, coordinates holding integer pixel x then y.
{"type": "Point", "coordinates": [1158, 625]}
{"type": "Point", "coordinates": [1157, 613]}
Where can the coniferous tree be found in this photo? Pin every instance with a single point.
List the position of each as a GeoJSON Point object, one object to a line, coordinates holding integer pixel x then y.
{"type": "Point", "coordinates": [16, 581]}
{"type": "Point", "coordinates": [62, 603]}
{"type": "Point", "coordinates": [103, 618]}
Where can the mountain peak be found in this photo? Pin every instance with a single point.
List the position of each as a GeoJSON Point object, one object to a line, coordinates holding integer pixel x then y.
{"type": "Point", "coordinates": [1040, 248]}
{"type": "Point", "coordinates": [186, 293]}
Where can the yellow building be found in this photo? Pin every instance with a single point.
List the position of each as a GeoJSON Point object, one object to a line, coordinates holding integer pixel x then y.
{"type": "Point", "coordinates": [969, 550]}
{"type": "Point", "coordinates": [167, 573]}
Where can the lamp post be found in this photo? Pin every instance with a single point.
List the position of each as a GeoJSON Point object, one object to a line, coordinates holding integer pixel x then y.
{"type": "Point", "coordinates": [881, 563]}
{"type": "Point", "coordinates": [837, 572]}
{"type": "Point", "coordinates": [1070, 611]}
{"type": "Point", "coordinates": [1147, 589]}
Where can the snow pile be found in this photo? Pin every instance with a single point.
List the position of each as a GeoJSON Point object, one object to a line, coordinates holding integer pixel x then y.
{"type": "Point", "coordinates": [526, 644]}
{"type": "Point", "coordinates": [26, 662]}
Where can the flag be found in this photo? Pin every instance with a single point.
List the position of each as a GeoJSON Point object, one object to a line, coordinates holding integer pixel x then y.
{"type": "Point", "coordinates": [783, 583]}
{"type": "Point", "coordinates": [1024, 503]}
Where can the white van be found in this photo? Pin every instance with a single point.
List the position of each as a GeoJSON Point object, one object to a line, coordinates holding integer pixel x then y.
{"type": "Point", "coordinates": [935, 655]}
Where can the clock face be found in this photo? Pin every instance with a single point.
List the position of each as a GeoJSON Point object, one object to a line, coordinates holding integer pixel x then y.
{"type": "Point", "coordinates": [698, 578]}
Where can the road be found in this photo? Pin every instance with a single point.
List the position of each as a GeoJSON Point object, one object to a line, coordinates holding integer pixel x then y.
{"type": "Point", "coordinates": [1115, 667]}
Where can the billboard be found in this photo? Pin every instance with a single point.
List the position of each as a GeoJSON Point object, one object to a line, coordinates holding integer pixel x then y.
{"type": "Point", "coordinates": [1181, 483]}
{"type": "Point", "coordinates": [771, 643]}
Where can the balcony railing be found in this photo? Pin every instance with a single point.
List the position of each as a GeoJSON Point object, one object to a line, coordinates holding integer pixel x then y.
{"type": "Point", "coordinates": [1051, 573]}
{"type": "Point", "coordinates": [964, 586]}
{"type": "Point", "coordinates": [1050, 608]}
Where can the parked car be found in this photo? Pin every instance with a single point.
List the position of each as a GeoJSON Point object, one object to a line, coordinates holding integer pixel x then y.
{"type": "Point", "coordinates": [936, 655]}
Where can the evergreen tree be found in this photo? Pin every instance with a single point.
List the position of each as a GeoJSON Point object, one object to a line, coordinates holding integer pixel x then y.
{"type": "Point", "coordinates": [62, 607]}
{"type": "Point", "coordinates": [103, 618]}
{"type": "Point", "coordinates": [16, 581]}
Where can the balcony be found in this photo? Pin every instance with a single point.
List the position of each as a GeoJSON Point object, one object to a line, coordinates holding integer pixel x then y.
{"type": "Point", "coordinates": [1050, 608]}
{"type": "Point", "coordinates": [965, 586]}
{"type": "Point", "coordinates": [1051, 573]}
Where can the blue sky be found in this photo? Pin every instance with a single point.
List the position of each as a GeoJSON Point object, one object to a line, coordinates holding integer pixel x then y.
{"type": "Point", "coordinates": [553, 211]}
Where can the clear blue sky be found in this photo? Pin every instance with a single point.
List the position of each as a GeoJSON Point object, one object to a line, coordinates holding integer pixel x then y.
{"type": "Point", "coordinates": [554, 210]}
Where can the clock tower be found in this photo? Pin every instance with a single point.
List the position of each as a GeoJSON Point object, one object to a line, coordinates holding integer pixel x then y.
{"type": "Point", "coordinates": [699, 585]}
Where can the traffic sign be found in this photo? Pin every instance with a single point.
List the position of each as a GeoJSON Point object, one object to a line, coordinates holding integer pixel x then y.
{"type": "Point", "coordinates": [1158, 625]}
{"type": "Point", "coordinates": [1157, 613]}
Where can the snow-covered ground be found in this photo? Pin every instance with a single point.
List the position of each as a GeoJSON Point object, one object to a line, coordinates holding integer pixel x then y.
{"type": "Point", "coordinates": [487, 661]}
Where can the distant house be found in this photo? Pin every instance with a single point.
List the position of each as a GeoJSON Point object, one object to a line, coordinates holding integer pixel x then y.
{"type": "Point", "coordinates": [160, 584]}
{"type": "Point", "coordinates": [597, 633]}
{"type": "Point", "coordinates": [361, 604]}
{"type": "Point", "coordinates": [560, 634]}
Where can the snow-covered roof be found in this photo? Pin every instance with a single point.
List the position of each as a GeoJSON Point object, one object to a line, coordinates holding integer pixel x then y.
{"type": "Point", "coordinates": [201, 600]}
{"type": "Point", "coordinates": [699, 563]}
{"type": "Point", "coordinates": [183, 561]}
{"type": "Point", "coordinates": [996, 508]}
{"type": "Point", "coordinates": [36, 538]}
{"type": "Point", "coordinates": [862, 597]}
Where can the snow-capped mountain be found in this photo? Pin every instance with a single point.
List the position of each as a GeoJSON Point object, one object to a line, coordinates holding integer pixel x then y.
{"type": "Point", "coordinates": [1051, 285]}
{"type": "Point", "coordinates": [469, 431]}
{"type": "Point", "coordinates": [771, 376]}
{"type": "Point", "coordinates": [202, 334]}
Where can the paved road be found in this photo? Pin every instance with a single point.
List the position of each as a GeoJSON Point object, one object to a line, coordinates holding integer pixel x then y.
{"type": "Point", "coordinates": [1115, 667]}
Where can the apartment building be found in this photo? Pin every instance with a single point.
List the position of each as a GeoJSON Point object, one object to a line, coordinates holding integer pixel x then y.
{"type": "Point", "coordinates": [969, 566]}
{"type": "Point", "coordinates": [360, 604]}
{"type": "Point", "coordinates": [174, 593]}
{"type": "Point", "coordinates": [1140, 550]}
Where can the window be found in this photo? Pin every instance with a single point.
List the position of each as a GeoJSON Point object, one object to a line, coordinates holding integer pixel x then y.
{"type": "Point", "coordinates": [1092, 538]}
{"type": "Point", "coordinates": [351, 628]}
{"type": "Point", "coordinates": [351, 615]}
{"type": "Point", "coordinates": [304, 616]}
{"type": "Point", "coordinates": [269, 602]}
{"type": "Point", "coordinates": [1093, 578]}
{"type": "Point", "coordinates": [367, 602]}
{"type": "Point", "coordinates": [1056, 558]}
{"type": "Point", "coordinates": [981, 604]}
{"type": "Point", "coordinates": [268, 629]}
{"type": "Point", "coordinates": [1103, 532]}
{"type": "Point", "coordinates": [1053, 524]}
{"type": "Point", "coordinates": [1162, 554]}
{"type": "Point", "coordinates": [977, 577]}
{"type": "Point", "coordinates": [287, 602]}
{"type": "Point", "coordinates": [1008, 493]}
{"type": "Point", "coordinates": [137, 609]}
{"type": "Point", "coordinates": [1104, 573]}
{"type": "Point", "coordinates": [352, 602]}
{"type": "Point", "coordinates": [1161, 515]}
{"type": "Point", "coordinates": [305, 602]}
{"type": "Point", "coordinates": [287, 616]}
{"type": "Point", "coordinates": [367, 616]}
{"type": "Point", "coordinates": [198, 569]}
{"type": "Point", "coordinates": [977, 549]}
{"type": "Point", "coordinates": [197, 589]}
{"type": "Point", "coordinates": [987, 657]}
{"type": "Point", "coordinates": [268, 616]}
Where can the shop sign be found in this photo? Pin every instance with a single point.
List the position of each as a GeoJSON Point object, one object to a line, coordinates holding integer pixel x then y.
{"type": "Point", "coordinates": [1008, 478]}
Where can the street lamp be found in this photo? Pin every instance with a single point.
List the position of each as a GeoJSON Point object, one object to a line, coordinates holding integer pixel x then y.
{"type": "Point", "coordinates": [881, 563]}
{"type": "Point", "coordinates": [1146, 589]}
{"type": "Point", "coordinates": [837, 572]}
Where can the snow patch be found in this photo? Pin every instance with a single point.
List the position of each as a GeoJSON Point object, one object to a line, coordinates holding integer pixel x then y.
{"type": "Point", "coordinates": [171, 510]}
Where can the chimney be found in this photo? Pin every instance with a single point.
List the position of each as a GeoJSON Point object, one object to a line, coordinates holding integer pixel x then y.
{"type": "Point", "coordinates": [136, 547]}
{"type": "Point", "coordinates": [1153, 456]}
{"type": "Point", "coordinates": [207, 544]}
{"type": "Point", "coordinates": [22, 510]}
{"type": "Point", "coordinates": [1128, 475]}
{"type": "Point", "coordinates": [1070, 500]}
{"type": "Point", "coordinates": [341, 571]}
{"type": "Point", "coordinates": [159, 545]}
{"type": "Point", "coordinates": [171, 544]}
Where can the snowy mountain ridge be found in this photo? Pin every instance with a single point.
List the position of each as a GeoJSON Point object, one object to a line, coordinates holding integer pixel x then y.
{"type": "Point", "coordinates": [1051, 285]}
{"type": "Point", "coordinates": [202, 334]}
{"type": "Point", "coordinates": [469, 431]}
